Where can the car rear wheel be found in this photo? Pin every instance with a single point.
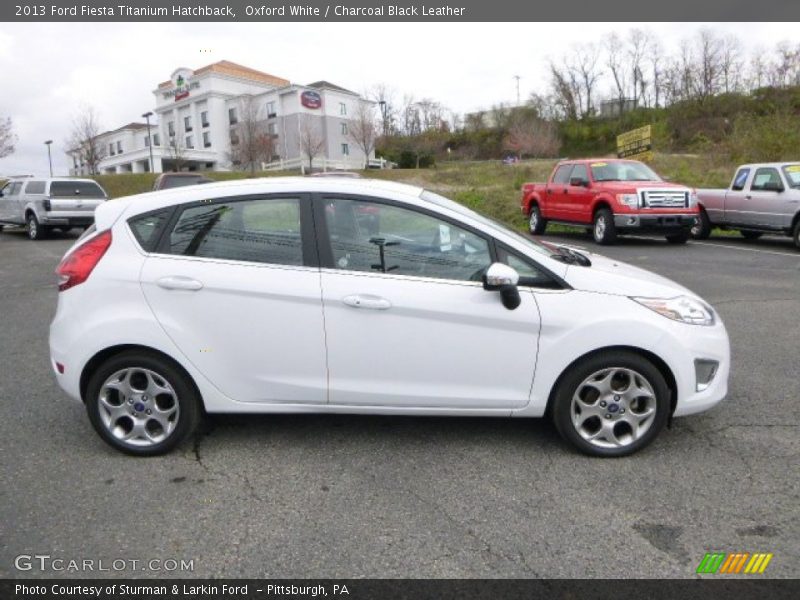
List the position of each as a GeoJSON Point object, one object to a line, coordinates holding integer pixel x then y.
{"type": "Point", "coordinates": [701, 230]}
{"type": "Point", "coordinates": [796, 235]}
{"type": "Point", "coordinates": [141, 404]}
{"type": "Point", "coordinates": [750, 235]}
{"type": "Point", "coordinates": [34, 229]}
{"type": "Point", "coordinates": [678, 238]}
{"type": "Point", "coordinates": [536, 223]}
{"type": "Point", "coordinates": [604, 231]}
{"type": "Point", "coordinates": [613, 404]}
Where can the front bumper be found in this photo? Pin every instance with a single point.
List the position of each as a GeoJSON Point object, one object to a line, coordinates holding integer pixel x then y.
{"type": "Point", "coordinates": [657, 222]}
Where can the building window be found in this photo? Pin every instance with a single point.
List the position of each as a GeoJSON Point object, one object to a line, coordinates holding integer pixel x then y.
{"type": "Point", "coordinates": [234, 138]}
{"type": "Point", "coordinates": [344, 128]}
{"type": "Point", "coordinates": [271, 109]}
{"type": "Point", "coordinates": [187, 123]}
{"type": "Point", "coordinates": [171, 128]}
{"type": "Point", "coordinates": [233, 118]}
{"type": "Point", "coordinates": [189, 142]}
{"type": "Point", "coordinates": [206, 140]}
{"type": "Point", "coordinates": [346, 149]}
{"type": "Point", "coordinates": [272, 129]}
{"type": "Point", "coordinates": [146, 141]}
{"type": "Point", "coordinates": [111, 149]}
{"type": "Point", "coordinates": [119, 147]}
{"type": "Point", "coordinates": [155, 140]}
{"type": "Point", "coordinates": [204, 118]}
{"type": "Point", "coordinates": [342, 108]}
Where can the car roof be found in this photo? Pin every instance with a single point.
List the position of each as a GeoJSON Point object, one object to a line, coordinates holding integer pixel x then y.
{"type": "Point", "coordinates": [769, 164]}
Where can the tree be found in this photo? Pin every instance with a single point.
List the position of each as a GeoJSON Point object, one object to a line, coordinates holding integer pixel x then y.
{"type": "Point", "coordinates": [363, 129]}
{"type": "Point", "coordinates": [312, 141]}
{"type": "Point", "coordinates": [616, 65]}
{"type": "Point", "coordinates": [531, 136]}
{"type": "Point", "coordinates": [383, 95]}
{"type": "Point", "coordinates": [86, 130]}
{"type": "Point", "coordinates": [176, 148]}
{"type": "Point", "coordinates": [8, 138]}
{"type": "Point", "coordinates": [255, 144]}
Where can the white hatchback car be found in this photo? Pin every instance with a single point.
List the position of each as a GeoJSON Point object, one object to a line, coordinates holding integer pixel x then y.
{"type": "Point", "coordinates": [308, 295]}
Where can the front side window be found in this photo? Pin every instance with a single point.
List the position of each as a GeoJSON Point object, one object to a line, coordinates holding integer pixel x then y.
{"type": "Point", "coordinates": [740, 180]}
{"type": "Point", "coordinates": [581, 172]}
{"type": "Point", "coordinates": [766, 179]}
{"type": "Point", "coordinates": [34, 187]}
{"type": "Point", "coordinates": [12, 189]}
{"type": "Point", "coordinates": [262, 231]}
{"type": "Point", "coordinates": [381, 238]}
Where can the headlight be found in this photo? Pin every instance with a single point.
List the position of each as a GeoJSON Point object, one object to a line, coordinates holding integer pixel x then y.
{"type": "Point", "coordinates": [683, 309]}
{"type": "Point", "coordinates": [631, 200]}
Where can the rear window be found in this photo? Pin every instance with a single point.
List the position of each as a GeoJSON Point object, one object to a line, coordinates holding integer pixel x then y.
{"type": "Point", "coordinates": [173, 182]}
{"type": "Point", "coordinates": [147, 228]}
{"type": "Point", "coordinates": [84, 189]}
{"type": "Point", "coordinates": [34, 187]}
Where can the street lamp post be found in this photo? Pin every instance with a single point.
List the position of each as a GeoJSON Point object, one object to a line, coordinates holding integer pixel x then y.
{"type": "Point", "coordinates": [382, 104]}
{"type": "Point", "coordinates": [147, 116]}
{"type": "Point", "coordinates": [49, 156]}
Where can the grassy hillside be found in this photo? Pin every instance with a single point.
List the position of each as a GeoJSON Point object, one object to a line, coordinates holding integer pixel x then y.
{"type": "Point", "coordinates": [488, 187]}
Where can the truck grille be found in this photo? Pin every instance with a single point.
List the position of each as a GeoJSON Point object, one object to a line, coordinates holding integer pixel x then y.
{"type": "Point", "coordinates": [664, 199]}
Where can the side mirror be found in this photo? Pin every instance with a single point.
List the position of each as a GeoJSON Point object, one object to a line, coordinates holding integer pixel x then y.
{"type": "Point", "coordinates": [502, 278]}
{"type": "Point", "coordinates": [578, 182]}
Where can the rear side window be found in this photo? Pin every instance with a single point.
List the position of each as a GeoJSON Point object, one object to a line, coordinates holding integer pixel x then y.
{"type": "Point", "coordinates": [84, 189]}
{"type": "Point", "coordinates": [740, 180]}
{"type": "Point", "coordinates": [262, 231]}
{"type": "Point", "coordinates": [562, 174]}
{"type": "Point", "coordinates": [147, 228]}
{"type": "Point", "coordinates": [34, 187]}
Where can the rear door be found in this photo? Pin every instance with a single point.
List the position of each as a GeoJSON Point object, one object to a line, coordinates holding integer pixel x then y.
{"type": "Point", "coordinates": [236, 286]}
{"type": "Point", "coordinates": [557, 192]}
{"type": "Point", "coordinates": [75, 198]}
{"type": "Point", "coordinates": [408, 322]}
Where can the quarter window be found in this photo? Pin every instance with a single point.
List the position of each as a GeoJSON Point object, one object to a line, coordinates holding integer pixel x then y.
{"type": "Point", "coordinates": [262, 231]}
{"type": "Point", "coordinates": [146, 228]}
{"type": "Point", "coordinates": [740, 180]}
{"type": "Point", "coordinates": [381, 238]}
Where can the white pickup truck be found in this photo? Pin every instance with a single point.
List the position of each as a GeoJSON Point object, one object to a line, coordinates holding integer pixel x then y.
{"type": "Point", "coordinates": [762, 198]}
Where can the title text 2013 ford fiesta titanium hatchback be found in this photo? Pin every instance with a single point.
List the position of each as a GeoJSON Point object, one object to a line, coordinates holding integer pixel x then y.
{"type": "Point", "coordinates": [360, 296]}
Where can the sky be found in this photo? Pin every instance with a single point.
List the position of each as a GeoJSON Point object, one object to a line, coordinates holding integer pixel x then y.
{"type": "Point", "coordinates": [50, 70]}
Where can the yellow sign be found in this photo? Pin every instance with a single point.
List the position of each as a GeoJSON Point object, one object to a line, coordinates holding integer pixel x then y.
{"type": "Point", "coordinates": [636, 144]}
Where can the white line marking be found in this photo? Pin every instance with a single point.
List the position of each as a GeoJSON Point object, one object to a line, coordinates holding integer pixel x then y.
{"type": "Point", "coordinates": [794, 255]}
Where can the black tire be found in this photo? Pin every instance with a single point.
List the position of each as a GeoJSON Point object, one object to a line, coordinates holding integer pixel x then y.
{"type": "Point", "coordinates": [701, 230]}
{"type": "Point", "coordinates": [33, 229]}
{"type": "Point", "coordinates": [187, 399]}
{"type": "Point", "coordinates": [678, 238]}
{"type": "Point", "coordinates": [749, 234]}
{"type": "Point", "coordinates": [796, 235]}
{"type": "Point", "coordinates": [604, 231]}
{"type": "Point", "coordinates": [561, 409]}
{"type": "Point", "coordinates": [536, 224]}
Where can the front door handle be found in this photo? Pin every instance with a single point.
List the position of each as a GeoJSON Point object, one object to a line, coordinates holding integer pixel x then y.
{"type": "Point", "coordinates": [367, 301]}
{"type": "Point", "coordinates": [177, 282]}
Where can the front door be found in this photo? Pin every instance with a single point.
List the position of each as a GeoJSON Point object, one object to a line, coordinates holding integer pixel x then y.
{"type": "Point", "coordinates": [407, 321]}
{"type": "Point", "coordinates": [235, 287]}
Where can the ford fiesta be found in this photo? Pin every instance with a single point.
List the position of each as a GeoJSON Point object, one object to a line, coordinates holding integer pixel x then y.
{"type": "Point", "coordinates": [303, 295]}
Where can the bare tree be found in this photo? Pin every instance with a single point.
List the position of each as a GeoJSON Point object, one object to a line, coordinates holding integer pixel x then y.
{"type": "Point", "coordinates": [531, 136]}
{"type": "Point", "coordinates": [655, 53]}
{"type": "Point", "coordinates": [708, 66]}
{"type": "Point", "coordinates": [312, 141]}
{"type": "Point", "coordinates": [176, 148]}
{"type": "Point", "coordinates": [638, 41]}
{"type": "Point", "coordinates": [363, 129]}
{"type": "Point", "coordinates": [565, 92]}
{"type": "Point", "coordinates": [255, 143]}
{"type": "Point", "coordinates": [585, 65]}
{"type": "Point", "coordinates": [83, 138]}
{"type": "Point", "coordinates": [731, 64]}
{"type": "Point", "coordinates": [383, 95]}
{"type": "Point", "coordinates": [8, 138]}
{"type": "Point", "coordinates": [615, 61]}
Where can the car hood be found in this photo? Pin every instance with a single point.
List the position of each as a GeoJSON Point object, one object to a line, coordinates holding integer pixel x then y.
{"type": "Point", "coordinates": [609, 276]}
{"type": "Point", "coordinates": [642, 185]}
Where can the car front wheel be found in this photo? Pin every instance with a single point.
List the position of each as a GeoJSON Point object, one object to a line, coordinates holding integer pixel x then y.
{"type": "Point", "coordinates": [142, 404]}
{"type": "Point", "coordinates": [701, 230]}
{"type": "Point", "coordinates": [613, 404]}
{"type": "Point", "coordinates": [536, 224]}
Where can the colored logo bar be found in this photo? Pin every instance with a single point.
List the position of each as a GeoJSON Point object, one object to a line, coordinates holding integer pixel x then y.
{"type": "Point", "coordinates": [734, 563]}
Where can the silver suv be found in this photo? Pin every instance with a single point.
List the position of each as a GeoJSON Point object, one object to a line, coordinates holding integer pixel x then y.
{"type": "Point", "coordinates": [44, 204]}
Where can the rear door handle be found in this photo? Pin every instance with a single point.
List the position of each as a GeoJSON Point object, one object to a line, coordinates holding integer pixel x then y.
{"type": "Point", "coordinates": [177, 282]}
{"type": "Point", "coordinates": [367, 301]}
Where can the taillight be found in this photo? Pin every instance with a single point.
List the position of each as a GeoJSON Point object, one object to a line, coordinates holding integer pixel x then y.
{"type": "Point", "coordinates": [47, 205]}
{"type": "Point", "coordinates": [76, 267]}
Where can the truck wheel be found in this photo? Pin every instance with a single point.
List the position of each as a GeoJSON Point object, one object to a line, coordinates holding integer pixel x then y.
{"type": "Point", "coordinates": [35, 231]}
{"type": "Point", "coordinates": [796, 235]}
{"type": "Point", "coordinates": [605, 231]}
{"type": "Point", "coordinates": [750, 235]}
{"type": "Point", "coordinates": [678, 238]}
{"type": "Point", "coordinates": [611, 404]}
{"type": "Point", "coordinates": [536, 223]}
{"type": "Point", "coordinates": [701, 230]}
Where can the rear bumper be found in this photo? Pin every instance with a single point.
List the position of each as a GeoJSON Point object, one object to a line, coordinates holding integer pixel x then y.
{"type": "Point", "coordinates": [58, 219]}
{"type": "Point", "coordinates": [659, 222]}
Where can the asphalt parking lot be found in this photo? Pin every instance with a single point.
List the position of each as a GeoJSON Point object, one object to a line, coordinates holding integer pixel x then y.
{"type": "Point", "coordinates": [344, 496]}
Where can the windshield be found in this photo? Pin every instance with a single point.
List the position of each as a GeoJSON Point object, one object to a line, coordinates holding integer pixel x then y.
{"type": "Point", "coordinates": [792, 173]}
{"type": "Point", "coordinates": [622, 171]}
{"type": "Point", "coordinates": [434, 198]}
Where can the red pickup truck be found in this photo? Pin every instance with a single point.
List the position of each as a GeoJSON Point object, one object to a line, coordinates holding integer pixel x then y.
{"type": "Point", "coordinates": [610, 197]}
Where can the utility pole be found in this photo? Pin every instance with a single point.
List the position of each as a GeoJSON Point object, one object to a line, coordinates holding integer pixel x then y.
{"type": "Point", "coordinates": [517, 77]}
